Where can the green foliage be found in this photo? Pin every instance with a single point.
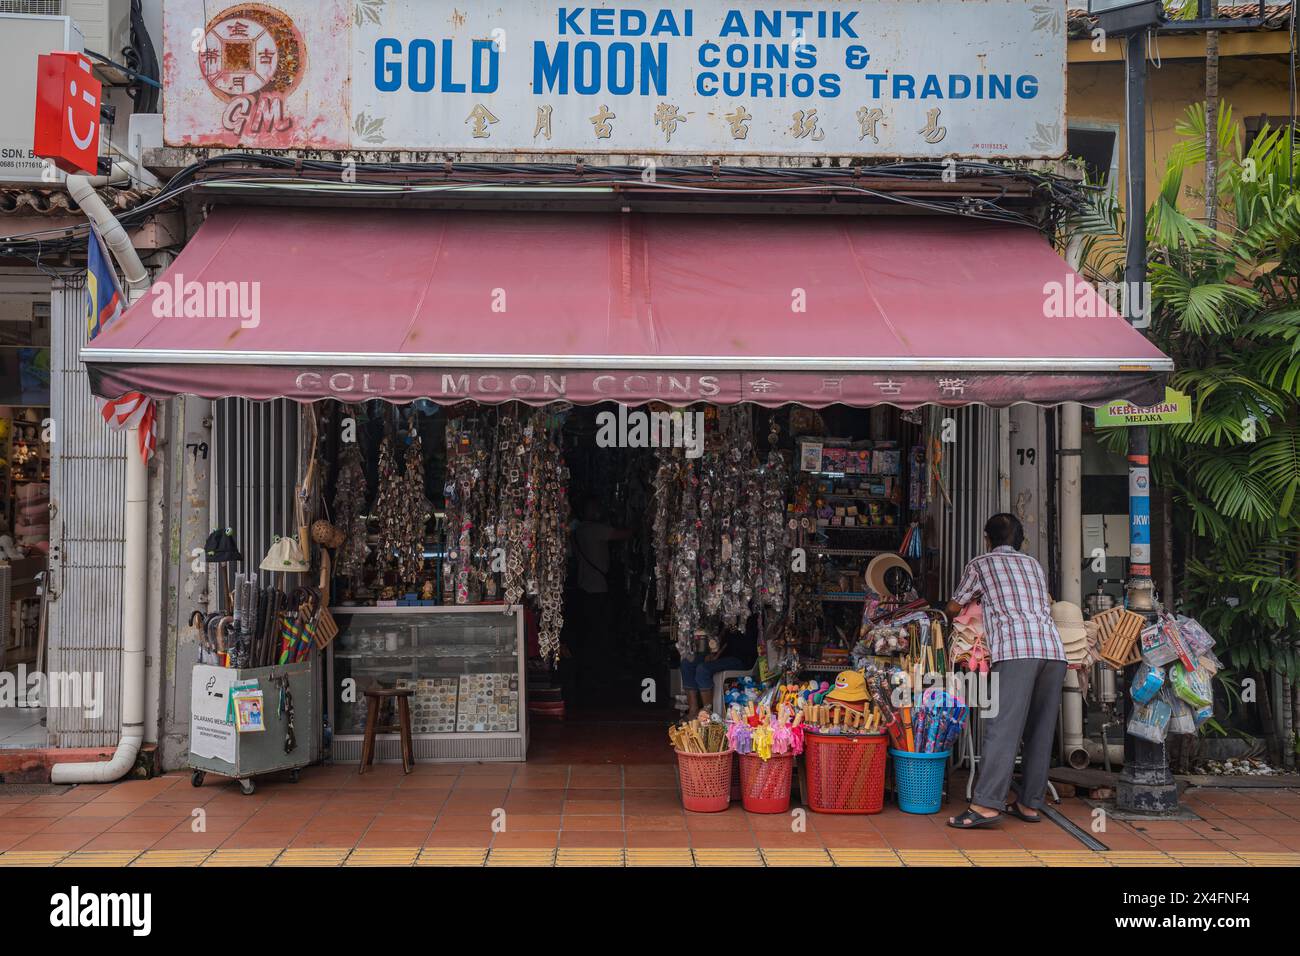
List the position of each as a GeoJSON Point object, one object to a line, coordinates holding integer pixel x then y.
{"type": "Point", "coordinates": [1226, 308]}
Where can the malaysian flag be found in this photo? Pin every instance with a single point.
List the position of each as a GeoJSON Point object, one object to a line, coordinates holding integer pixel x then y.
{"type": "Point", "coordinates": [103, 305]}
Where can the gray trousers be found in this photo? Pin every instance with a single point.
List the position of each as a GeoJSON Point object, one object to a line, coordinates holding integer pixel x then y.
{"type": "Point", "coordinates": [1029, 698]}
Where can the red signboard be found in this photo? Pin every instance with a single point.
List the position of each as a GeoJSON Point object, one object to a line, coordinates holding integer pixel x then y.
{"type": "Point", "coordinates": [67, 112]}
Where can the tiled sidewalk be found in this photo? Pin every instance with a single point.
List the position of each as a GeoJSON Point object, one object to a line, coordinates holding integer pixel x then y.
{"type": "Point", "coordinates": [578, 814]}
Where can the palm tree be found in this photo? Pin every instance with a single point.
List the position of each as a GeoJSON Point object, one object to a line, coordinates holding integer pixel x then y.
{"type": "Point", "coordinates": [1226, 307]}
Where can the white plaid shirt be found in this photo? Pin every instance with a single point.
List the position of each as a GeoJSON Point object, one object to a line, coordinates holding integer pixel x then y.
{"type": "Point", "coordinates": [1012, 590]}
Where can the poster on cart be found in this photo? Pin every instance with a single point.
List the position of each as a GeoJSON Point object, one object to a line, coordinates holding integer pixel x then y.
{"type": "Point", "coordinates": [893, 78]}
{"type": "Point", "coordinates": [212, 732]}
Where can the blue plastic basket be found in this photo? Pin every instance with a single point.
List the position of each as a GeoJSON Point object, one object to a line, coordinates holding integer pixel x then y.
{"type": "Point", "coordinates": [918, 779]}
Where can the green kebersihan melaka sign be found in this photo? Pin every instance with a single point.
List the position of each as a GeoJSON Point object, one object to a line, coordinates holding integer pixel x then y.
{"type": "Point", "coordinates": [1176, 408]}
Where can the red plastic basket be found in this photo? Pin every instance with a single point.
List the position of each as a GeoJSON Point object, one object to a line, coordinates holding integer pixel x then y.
{"type": "Point", "coordinates": [845, 774]}
{"type": "Point", "coordinates": [765, 784]}
{"type": "Point", "coordinates": [705, 780]}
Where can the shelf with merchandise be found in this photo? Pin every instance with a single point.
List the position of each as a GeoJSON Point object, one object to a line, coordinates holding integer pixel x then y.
{"type": "Point", "coordinates": [463, 663]}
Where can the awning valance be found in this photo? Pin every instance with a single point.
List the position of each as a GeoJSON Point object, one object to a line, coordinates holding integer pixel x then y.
{"type": "Point", "coordinates": [309, 303]}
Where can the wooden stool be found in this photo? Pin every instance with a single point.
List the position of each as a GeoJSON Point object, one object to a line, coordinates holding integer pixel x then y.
{"type": "Point", "coordinates": [373, 698]}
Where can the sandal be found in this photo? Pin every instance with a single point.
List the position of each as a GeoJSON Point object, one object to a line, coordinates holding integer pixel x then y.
{"type": "Point", "coordinates": [1014, 809]}
{"type": "Point", "coordinates": [971, 819]}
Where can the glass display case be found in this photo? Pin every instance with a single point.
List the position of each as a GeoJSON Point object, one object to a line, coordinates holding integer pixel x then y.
{"type": "Point", "coordinates": [465, 665]}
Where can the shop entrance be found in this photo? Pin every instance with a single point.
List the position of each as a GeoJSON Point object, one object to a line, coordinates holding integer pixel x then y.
{"type": "Point", "coordinates": [624, 610]}
{"type": "Point", "coordinates": [632, 536]}
{"type": "Point", "coordinates": [616, 664]}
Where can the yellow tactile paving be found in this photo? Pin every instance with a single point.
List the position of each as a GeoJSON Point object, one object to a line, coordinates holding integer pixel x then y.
{"type": "Point", "coordinates": [1072, 857]}
{"type": "Point", "coordinates": [1270, 859]}
{"type": "Point", "coordinates": [644, 857]}
{"type": "Point", "coordinates": [1002, 858]}
{"type": "Point", "coordinates": [313, 856]}
{"type": "Point", "coordinates": [1139, 858]}
{"type": "Point", "coordinates": [864, 856]}
{"type": "Point", "coordinates": [520, 856]}
{"type": "Point", "coordinates": [100, 858]}
{"type": "Point", "coordinates": [32, 857]}
{"type": "Point", "coordinates": [171, 858]}
{"type": "Point", "coordinates": [1207, 858]}
{"type": "Point", "coordinates": [740, 856]}
{"type": "Point", "coordinates": [797, 856]}
{"type": "Point", "coordinates": [452, 856]}
{"type": "Point", "coordinates": [659, 856]}
{"type": "Point", "coordinates": [243, 857]}
{"type": "Point", "coordinates": [384, 856]}
{"type": "Point", "coordinates": [589, 856]}
{"type": "Point", "coordinates": [933, 858]}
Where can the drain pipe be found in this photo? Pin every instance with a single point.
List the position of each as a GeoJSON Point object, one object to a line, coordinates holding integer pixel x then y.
{"type": "Point", "coordinates": [1071, 471]}
{"type": "Point", "coordinates": [82, 189]}
{"type": "Point", "coordinates": [135, 556]}
{"type": "Point", "coordinates": [1073, 749]}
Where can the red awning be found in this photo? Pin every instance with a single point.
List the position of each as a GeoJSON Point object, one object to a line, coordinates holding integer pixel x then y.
{"type": "Point", "coordinates": [303, 303]}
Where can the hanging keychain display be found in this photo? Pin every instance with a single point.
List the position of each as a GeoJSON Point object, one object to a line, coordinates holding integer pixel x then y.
{"type": "Point", "coordinates": [720, 541]}
{"type": "Point", "coordinates": [508, 513]}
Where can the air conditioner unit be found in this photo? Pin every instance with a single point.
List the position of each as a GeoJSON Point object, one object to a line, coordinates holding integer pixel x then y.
{"type": "Point", "coordinates": [106, 24]}
{"type": "Point", "coordinates": [33, 8]}
{"type": "Point", "coordinates": [23, 38]}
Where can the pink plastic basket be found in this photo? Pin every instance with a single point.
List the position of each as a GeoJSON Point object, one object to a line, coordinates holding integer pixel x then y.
{"type": "Point", "coordinates": [765, 785]}
{"type": "Point", "coordinates": [705, 780]}
{"type": "Point", "coordinates": [845, 774]}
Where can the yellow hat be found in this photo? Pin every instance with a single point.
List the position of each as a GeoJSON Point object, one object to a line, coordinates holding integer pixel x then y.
{"type": "Point", "coordinates": [850, 687]}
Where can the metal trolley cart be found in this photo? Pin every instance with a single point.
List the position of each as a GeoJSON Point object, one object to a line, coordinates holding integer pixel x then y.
{"type": "Point", "coordinates": [221, 749]}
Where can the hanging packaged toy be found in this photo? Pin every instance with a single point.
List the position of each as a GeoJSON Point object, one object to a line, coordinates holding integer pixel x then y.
{"type": "Point", "coordinates": [1194, 636]}
{"type": "Point", "coordinates": [1191, 685]}
{"type": "Point", "coordinates": [1182, 718]}
{"type": "Point", "coordinates": [1174, 638]}
{"type": "Point", "coordinates": [1208, 664]}
{"type": "Point", "coordinates": [1150, 721]}
{"type": "Point", "coordinates": [1160, 643]}
{"type": "Point", "coordinates": [1147, 683]}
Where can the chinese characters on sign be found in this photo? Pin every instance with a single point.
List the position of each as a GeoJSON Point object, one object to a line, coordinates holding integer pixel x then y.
{"type": "Point", "coordinates": [802, 77]}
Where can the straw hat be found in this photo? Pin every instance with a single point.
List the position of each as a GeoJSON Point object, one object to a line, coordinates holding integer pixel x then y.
{"type": "Point", "coordinates": [850, 688]}
{"type": "Point", "coordinates": [1074, 634]}
{"type": "Point", "coordinates": [876, 572]}
{"type": "Point", "coordinates": [285, 555]}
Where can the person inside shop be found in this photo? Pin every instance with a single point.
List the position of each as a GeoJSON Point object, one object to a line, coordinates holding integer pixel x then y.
{"type": "Point", "coordinates": [592, 537]}
{"type": "Point", "coordinates": [1028, 659]}
{"type": "Point", "coordinates": [737, 651]}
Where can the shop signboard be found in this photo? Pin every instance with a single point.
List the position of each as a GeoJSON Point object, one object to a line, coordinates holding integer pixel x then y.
{"type": "Point", "coordinates": [1175, 409]}
{"type": "Point", "coordinates": [893, 78]}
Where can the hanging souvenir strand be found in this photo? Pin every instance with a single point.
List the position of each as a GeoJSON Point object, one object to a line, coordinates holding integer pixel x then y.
{"type": "Point", "coordinates": [401, 508]}
{"type": "Point", "coordinates": [508, 513]}
{"type": "Point", "coordinates": [351, 494]}
{"type": "Point", "coordinates": [719, 535]}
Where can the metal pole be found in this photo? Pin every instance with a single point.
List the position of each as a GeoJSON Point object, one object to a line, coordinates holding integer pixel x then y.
{"type": "Point", "coordinates": [1146, 784]}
